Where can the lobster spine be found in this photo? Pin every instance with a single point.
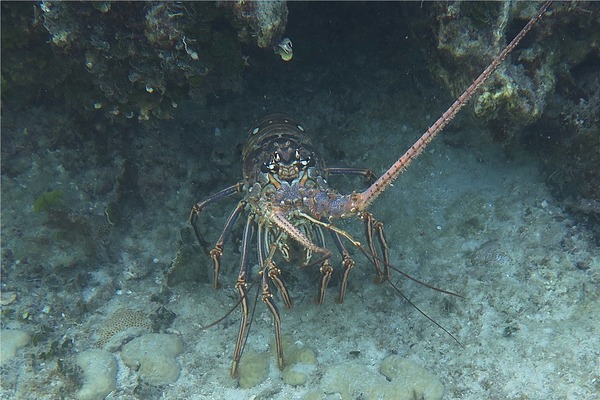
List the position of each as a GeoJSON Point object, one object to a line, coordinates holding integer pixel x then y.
{"type": "Point", "coordinates": [364, 199]}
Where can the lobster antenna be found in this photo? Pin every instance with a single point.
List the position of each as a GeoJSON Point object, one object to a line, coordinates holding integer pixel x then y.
{"type": "Point", "coordinates": [228, 313]}
{"type": "Point", "coordinates": [372, 258]}
{"type": "Point", "coordinates": [365, 198]}
{"type": "Point", "coordinates": [423, 313]}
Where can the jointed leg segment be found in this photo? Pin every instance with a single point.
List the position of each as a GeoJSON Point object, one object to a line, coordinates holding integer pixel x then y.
{"type": "Point", "coordinates": [217, 250]}
{"type": "Point", "coordinates": [241, 289]}
{"type": "Point", "coordinates": [374, 227]}
{"type": "Point", "coordinates": [347, 265]}
{"type": "Point", "coordinates": [267, 297]}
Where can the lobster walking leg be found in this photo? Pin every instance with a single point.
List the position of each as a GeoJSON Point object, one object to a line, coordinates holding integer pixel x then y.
{"type": "Point", "coordinates": [217, 250]}
{"type": "Point", "coordinates": [241, 289]}
{"type": "Point", "coordinates": [326, 269]}
{"type": "Point", "coordinates": [347, 262]}
{"type": "Point", "coordinates": [198, 207]}
{"type": "Point", "coordinates": [372, 226]}
{"type": "Point", "coordinates": [269, 265]}
{"type": "Point", "coordinates": [347, 265]}
{"type": "Point", "coordinates": [267, 298]}
{"type": "Point", "coordinates": [274, 274]}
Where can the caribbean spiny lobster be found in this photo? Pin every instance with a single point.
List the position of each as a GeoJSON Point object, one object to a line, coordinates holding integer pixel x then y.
{"type": "Point", "coordinates": [289, 205]}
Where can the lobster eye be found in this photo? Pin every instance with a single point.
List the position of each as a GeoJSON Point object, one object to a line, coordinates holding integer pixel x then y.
{"type": "Point", "coordinates": [269, 168]}
{"type": "Point", "coordinates": [309, 162]}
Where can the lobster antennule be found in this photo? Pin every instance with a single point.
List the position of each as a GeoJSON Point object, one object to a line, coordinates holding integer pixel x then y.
{"type": "Point", "coordinates": [364, 199]}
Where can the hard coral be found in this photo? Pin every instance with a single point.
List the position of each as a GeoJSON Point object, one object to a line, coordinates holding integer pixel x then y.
{"type": "Point", "coordinates": [266, 19]}
{"type": "Point", "coordinates": [469, 35]}
{"type": "Point", "coordinates": [121, 320]}
{"type": "Point", "coordinates": [132, 60]}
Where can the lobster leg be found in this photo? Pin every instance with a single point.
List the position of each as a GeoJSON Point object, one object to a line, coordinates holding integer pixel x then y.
{"type": "Point", "coordinates": [217, 250]}
{"type": "Point", "coordinates": [372, 226]}
{"type": "Point", "coordinates": [198, 207]}
{"type": "Point", "coordinates": [347, 265]}
{"type": "Point", "coordinates": [347, 262]}
{"type": "Point", "coordinates": [267, 298]}
{"type": "Point", "coordinates": [326, 269]}
{"type": "Point", "coordinates": [240, 286]}
{"type": "Point", "coordinates": [273, 272]}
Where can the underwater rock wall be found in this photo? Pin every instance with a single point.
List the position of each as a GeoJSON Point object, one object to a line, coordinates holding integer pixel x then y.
{"type": "Point", "coordinates": [469, 35]}
{"type": "Point", "coordinates": [125, 60]}
{"type": "Point", "coordinates": [546, 96]}
{"type": "Point", "coordinates": [97, 249]}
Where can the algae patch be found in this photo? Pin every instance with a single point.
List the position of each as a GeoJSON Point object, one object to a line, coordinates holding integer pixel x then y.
{"type": "Point", "coordinates": [48, 200]}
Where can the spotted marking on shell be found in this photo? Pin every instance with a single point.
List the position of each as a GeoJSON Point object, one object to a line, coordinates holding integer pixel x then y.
{"type": "Point", "coordinates": [255, 131]}
{"type": "Point", "coordinates": [121, 320]}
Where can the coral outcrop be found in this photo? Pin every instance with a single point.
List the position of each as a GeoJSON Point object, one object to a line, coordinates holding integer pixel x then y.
{"type": "Point", "coordinates": [153, 355]}
{"type": "Point", "coordinates": [122, 320]}
{"type": "Point", "coordinates": [468, 35]}
{"type": "Point", "coordinates": [133, 60]}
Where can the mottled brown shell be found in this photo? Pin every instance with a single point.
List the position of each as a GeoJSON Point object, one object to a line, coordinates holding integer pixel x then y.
{"type": "Point", "coordinates": [281, 134]}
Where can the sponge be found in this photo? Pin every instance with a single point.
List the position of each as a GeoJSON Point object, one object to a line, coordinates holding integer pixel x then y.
{"type": "Point", "coordinates": [11, 341]}
{"type": "Point", "coordinates": [154, 354]}
{"type": "Point", "coordinates": [398, 379]}
{"type": "Point", "coordinates": [405, 373]}
{"type": "Point", "coordinates": [300, 361]}
{"type": "Point", "coordinates": [99, 374]}
{"type": "Point", "coordinates": [254, 369]}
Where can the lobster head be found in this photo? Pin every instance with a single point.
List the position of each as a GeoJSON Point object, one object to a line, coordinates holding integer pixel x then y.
{"type": "Point", "coordinates": [278, 149]}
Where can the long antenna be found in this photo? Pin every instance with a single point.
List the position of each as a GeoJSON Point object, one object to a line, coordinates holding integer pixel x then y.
{"type": "Point", "coordinates": [365, 198]}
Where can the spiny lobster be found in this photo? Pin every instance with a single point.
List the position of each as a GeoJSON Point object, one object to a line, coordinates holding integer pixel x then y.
{"type": "Point", "coordinates": [289, 204]}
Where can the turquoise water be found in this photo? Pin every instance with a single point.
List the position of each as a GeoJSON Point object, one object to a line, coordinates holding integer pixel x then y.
{"type": "Point", "coordinates": [95, 220]}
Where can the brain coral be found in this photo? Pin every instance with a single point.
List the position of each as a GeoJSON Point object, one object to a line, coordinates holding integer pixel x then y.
{"type": "Point", "coordinates": [121, 320]}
